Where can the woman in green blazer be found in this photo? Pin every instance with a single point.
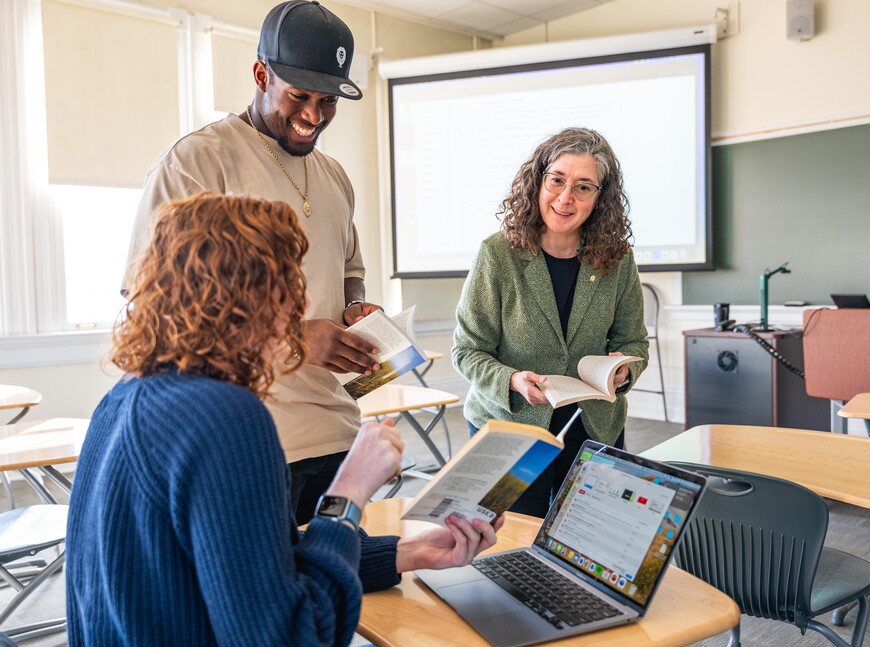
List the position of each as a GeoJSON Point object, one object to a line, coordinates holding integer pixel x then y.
{"type": "Point", "coordinates": [558, 282]}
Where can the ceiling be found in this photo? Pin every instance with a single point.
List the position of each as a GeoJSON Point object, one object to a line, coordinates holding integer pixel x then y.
{"type": "Point", "coordinates": [482, 17]}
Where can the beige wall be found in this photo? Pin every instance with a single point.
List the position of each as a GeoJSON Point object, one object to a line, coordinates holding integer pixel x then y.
{"type": "Point", "coordinates": [761, 80]}
{"type": "Point", "coordinates": [68, 390]}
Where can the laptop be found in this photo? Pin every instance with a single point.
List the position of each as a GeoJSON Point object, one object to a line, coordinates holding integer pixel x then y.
{"type": "Point", "coordinates": [850, 300]}
{"type": "Point", "coordinates": [596, 561]}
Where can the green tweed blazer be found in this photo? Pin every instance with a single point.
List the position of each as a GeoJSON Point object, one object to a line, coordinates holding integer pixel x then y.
{"type": "Point", "coordinates": [507, 321]}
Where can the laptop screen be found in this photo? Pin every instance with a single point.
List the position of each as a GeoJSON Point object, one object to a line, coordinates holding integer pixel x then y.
{"type": "Point", "coordinates": [617, 518]}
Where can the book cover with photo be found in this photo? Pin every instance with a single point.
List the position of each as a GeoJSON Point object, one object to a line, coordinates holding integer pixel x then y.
{"type": "Point", "coordinates": [487, 475]}
{"type": "Point", "coordinates": [398, 349]}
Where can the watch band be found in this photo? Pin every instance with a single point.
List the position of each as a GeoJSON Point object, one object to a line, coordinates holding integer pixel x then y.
{"type": "Point", "coordinates": [352, 303]}
{"type": "Point", "coordinates": [338, 508]}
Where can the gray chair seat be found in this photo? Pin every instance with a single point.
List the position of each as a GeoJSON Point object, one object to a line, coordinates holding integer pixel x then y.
{"type": "Point", "coordinates": [839, 576]}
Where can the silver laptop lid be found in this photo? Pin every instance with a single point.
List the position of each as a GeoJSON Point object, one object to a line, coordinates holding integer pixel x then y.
{"type": "Point", "coordinates": [617, 519]}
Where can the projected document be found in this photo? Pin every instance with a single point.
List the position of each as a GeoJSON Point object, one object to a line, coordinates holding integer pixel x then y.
{"type": "Point", "coordinates": [459, 142]}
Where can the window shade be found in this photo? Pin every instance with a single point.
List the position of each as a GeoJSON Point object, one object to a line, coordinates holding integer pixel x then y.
{"type": "Point", "coordinates": [112, 101]}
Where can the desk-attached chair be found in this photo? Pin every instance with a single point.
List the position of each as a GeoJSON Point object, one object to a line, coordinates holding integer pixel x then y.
{"type": "Point", "coordinates": [837, 357]}
{"type": "Point", "coordinates": [25, 532]}
{"type": "Point", "coordinates": [760, 540]}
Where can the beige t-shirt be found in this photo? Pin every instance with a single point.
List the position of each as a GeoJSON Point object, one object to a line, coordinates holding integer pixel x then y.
{"type": "Point", "coordinates": [313, 413]}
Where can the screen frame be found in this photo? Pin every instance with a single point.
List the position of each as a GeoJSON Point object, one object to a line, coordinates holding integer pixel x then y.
{"type": "Point", "coordinates": [539, 543]}
{"type": "Point", "coordinates": [707, 216]}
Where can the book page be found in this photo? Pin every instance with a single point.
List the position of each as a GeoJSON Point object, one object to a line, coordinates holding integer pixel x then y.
{"type": "Point", "coordinates": [398, 351]}
{"type": "Point", "coordinates": [598, 370]}
{"type": "Point", "coordinates": [561, 390]}
{"type": "Point", "coordinates": [381, 332]}
{"type": "Point", "coordinates": [485, 481]}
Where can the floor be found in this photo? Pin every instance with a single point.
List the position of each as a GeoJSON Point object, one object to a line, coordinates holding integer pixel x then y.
{"type": "Point", "coordinates": [849, 529]}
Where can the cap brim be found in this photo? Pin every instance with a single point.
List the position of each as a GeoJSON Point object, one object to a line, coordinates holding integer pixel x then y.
{"type": "Point", "coordinates": [316, 81]}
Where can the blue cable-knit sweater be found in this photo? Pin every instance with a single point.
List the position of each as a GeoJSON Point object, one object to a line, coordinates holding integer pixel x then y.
{"type": "Point", "coordinates": [180, 529]}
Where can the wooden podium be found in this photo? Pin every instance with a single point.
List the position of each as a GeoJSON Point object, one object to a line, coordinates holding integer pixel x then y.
{"type": "Point", "coordinates": [732, 380]}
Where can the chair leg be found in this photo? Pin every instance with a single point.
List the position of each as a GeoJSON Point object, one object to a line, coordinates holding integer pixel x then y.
{"type": "Point", "coordinates": [395, 487]}
{"type": "Point", "coordinates": [27, 632]}
{"type": "Point", "coordinates": [7, 486]}
{"type": "Point", "coordinates": [838, 424]}
{"type": "Point", "coordinates": [860, 627]}
{"type": "Point", "coordinates": [838, 616]}
{"type": "Point", "coordinates": [38, 486]}
{"type": "Point", "coordinates": [827, 632]}
{"type": "Point", "coordinates": [30, 587]}
{"type": "Point", "coordinates": [734, 636]}
{"type": "Point", "coordinates": [661, 377]}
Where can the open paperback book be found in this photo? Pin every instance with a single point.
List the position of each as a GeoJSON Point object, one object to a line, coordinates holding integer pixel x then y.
{"type": "Point", "coordinates": [488, 474]}
{"type": "Point", "coordinates": [596, 380]}
{"type": "Point", "coordinates": [398, 350]}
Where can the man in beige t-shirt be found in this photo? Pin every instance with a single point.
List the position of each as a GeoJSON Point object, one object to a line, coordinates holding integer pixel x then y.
{"type": "Point", "coordinates": [267, 151]}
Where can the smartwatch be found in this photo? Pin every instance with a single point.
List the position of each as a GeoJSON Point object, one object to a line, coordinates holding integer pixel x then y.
{"type": "Point", "coordinates": [338, 508]}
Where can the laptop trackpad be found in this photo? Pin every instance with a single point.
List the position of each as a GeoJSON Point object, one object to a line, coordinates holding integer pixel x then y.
{"type": "Point", "coordinates": [493, 613]}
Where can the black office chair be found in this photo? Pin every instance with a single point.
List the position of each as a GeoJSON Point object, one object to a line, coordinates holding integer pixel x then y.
{"type": "Point", "coordinates": [760, 540]}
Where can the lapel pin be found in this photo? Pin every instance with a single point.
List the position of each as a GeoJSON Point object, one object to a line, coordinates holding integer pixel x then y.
{"type": "Point", "coordinates": [592, 278]}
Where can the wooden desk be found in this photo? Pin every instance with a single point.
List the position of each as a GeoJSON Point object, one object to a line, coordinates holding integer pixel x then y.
{"type": "Point", "coordinates": [42, 444]}
{"type": "Point", "coordinates": [18, 397]}
{"type": "Point", "coordinates": [685, 609]}
{"type": "Point", "coordinates": [857, 407]}
{"type": "Point", "coordinates": [831, 465]}
{"type": "Point", "coordinates": [402, 399]}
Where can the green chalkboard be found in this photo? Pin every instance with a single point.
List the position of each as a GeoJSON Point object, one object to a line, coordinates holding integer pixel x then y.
{"type": "Point", "coordinates": [804, 199]}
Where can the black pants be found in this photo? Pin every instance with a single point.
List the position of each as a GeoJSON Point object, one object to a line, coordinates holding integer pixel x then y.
{"type": "Point", "coordinates": [309, 478]}
{"type": "Point", "coordinates": [536, 500]}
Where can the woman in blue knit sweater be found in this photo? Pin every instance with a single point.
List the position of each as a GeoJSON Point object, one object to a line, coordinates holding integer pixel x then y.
{"type": "Point", "coordinates": [180, 529]}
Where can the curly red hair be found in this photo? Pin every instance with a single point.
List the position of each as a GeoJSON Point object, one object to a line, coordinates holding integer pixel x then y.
{"type": "Point", "coordinates": [221, 274]}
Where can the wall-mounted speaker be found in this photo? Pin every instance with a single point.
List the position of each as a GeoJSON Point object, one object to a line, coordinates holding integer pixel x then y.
{"type": "Point", "coordinates": [799, 20]}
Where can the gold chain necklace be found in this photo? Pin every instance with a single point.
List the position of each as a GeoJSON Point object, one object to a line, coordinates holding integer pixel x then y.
{"type": "Point", "coordinates": [306, 207]}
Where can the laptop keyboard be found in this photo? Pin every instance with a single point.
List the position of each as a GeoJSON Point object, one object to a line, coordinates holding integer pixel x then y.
{"type": "Point", "coordinates": [552, 596]}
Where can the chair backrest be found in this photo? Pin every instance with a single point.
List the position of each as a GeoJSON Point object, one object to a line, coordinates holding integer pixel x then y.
{"type": "Point", "coordinates": [837, 352]}
{"type": "Point", "coordinates": [650, 309]}
{"type": "Point", "coordinates": [758, 539]}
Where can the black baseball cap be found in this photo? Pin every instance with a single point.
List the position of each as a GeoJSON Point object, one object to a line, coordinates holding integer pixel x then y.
{"type": "Point", "coordinates": [309, 47]}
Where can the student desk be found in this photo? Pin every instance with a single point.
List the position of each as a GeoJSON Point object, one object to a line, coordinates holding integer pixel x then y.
{"type": "Point", "coordinates": [857, 407]}
{"type": "Point", "coordinates": [18, 397]}
{"type": "Point", "coordinates": [42, 444]}
{"type": "Point", "coordinates": [402, 399]}
{"type": "Point", "coordinates": [831, 465]}
{"type": "Point", "coordinates": [685, 609]}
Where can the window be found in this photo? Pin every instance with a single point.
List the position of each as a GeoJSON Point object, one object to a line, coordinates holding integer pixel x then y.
{"type": "Point", "coordinates": [96, 224]}
{"type": "Point", "coordinates": [91, 91]}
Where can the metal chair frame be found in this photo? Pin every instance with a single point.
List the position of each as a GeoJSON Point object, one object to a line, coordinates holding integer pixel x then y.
{"type": "Point", "coordinates": [48, 530]}
{"type": "Point", "coordinates": [651, 318]}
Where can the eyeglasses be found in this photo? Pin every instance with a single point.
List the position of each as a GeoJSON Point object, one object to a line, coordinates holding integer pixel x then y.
{"type": "Point", "coordinates": [582, 191]}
